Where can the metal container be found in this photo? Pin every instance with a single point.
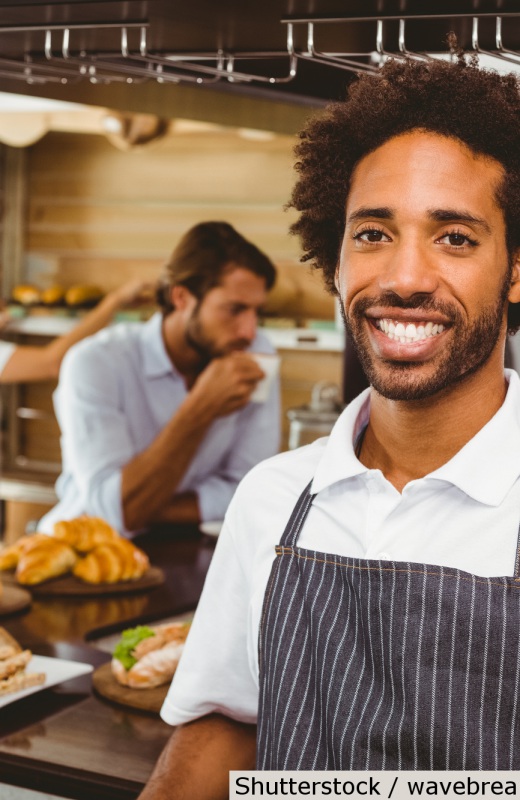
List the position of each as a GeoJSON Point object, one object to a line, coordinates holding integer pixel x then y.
{"type": "Point", "coordinates": [316, 419]}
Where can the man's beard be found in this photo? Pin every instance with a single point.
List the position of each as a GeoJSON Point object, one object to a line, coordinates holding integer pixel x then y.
{"type": "Point", "coordinates": [470, 348]}
{"type": "Point", "coordinates": [197, 338]}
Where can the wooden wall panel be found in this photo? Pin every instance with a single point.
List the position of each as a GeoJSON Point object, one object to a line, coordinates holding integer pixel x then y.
{"type": "Point", "coordinates": [99, 214]}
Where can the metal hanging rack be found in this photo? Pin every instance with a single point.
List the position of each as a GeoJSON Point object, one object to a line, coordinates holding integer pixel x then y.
{"type": "Point", "coordinates": [59, 62]}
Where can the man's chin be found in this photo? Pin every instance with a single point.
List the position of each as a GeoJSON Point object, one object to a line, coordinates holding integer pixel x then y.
{"type": "Point", "coordinates": [407, 382]}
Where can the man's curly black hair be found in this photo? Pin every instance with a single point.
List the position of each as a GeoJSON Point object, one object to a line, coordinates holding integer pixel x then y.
{"type": "Point", "coordinates": [456, 99]}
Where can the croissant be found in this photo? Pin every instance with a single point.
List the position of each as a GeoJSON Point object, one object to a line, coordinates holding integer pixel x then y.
{"type": "Point", "coordinates": [84, 533]}
{"type": "Point", "coordinates": [119, 560]}
{"type": "Point", "coordinates": [10, 556]}
{"type": "Point", "coordinates": [46, 559]}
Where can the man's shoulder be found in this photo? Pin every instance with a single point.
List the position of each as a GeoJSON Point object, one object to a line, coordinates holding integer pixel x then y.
{"type": "Point", "coordinates": [111, 342]}
{"type": "Point", "coordinates": [288, 472]}
{"type": "Point", "coordinates": [262, 344]}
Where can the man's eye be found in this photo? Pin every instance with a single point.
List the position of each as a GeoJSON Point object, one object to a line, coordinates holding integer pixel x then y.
{"type": "Point", "coordinates": [371, 235]}
{"type": "Point", "coordinates": [457, 240]}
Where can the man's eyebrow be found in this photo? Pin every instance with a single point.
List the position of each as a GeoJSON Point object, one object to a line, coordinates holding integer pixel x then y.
{"type": "Point", "coordinates": [365, 211]}
{"type": "Point", "coordinates": [456, 215]}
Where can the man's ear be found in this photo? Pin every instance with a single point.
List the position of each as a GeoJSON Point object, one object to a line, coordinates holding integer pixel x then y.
{"type": "Point", "coordinates": [180, 297]}
{"type": "Point", "coordinates": [336, 281]}
{"type": "Point", "coordinates": [514, 289]}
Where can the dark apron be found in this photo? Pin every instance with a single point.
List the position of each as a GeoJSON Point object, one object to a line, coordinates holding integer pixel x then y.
{"type": "Point", "coordinates": [369, 664]}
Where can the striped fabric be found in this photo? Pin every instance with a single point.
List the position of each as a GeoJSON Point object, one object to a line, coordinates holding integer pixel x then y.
{"type": "Point", "coordinates": [386, 665]}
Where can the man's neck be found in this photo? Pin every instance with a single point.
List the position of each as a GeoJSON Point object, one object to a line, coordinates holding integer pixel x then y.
{"type": "Point", "coordinates": [408, 440]}
{"type": "Point", "coordinates": [184, 358]}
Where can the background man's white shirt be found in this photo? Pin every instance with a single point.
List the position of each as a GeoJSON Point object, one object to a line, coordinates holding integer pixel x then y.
{"type": "Point", "coordinates": [117, 391]}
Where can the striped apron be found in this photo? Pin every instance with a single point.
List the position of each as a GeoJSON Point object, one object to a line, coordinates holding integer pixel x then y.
{"type": "Point", "coordinates": [369, 664]}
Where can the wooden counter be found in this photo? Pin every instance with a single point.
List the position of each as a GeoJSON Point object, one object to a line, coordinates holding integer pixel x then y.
{"type": "Point", "coordinates": [65, 740]}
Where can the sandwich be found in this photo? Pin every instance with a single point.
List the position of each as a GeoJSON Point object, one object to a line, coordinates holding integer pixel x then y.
{"type": "Point", "coordinates": [147, 656]}
{"type": "Point", "coordinates": [13, 663]}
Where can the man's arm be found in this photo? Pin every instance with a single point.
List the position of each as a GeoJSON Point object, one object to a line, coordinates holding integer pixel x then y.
{"type": "Point", "coordinates": [198, 758]}
{"type": "Point", "coordinates": [151, 477]}
{"type": "Point", "coordinates": [43, 363]}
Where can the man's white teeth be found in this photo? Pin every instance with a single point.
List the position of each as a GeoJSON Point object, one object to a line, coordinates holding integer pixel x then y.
{"type": "Point", "coordinates": [409, 333]}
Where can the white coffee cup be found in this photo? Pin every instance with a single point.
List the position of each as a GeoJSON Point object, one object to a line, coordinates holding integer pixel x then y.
{"type": "Point", "coordinates": [270, 364]}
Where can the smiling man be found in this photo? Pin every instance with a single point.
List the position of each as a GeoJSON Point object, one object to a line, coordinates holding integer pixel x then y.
{"type": "Point", "coordinates": [157, 421]}
{"type": "Point", "coordinates": [379, 622]}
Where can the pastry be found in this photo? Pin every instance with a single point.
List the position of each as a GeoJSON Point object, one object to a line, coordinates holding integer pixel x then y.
{"type": "Point", "coordinates": [119, 560]}
{"type": "Point", "coordinates": [84, 533]}
{"type": "Point", "coordinates": [83, 295]}
{"type": "Point", "coordinates": [26, 294]}
{"type": "Point", "coordinates": [47, 559]}
{"type": "Point", "coordinates": [53, 295]}
{"type": "Point", "coordinates": [10, 556]}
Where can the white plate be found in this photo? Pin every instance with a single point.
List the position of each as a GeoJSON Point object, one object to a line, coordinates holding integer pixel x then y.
{"type": "Point", "coordinates": [56, 670]}
{"type": "Point", "coordinates": [212, 528]}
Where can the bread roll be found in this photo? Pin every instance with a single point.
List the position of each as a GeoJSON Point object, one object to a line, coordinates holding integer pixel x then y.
{"type": "Point", "coordinates": [47, 559]}
{"type": "Point", "coordinates": [53, 295]}
{"type": "Point", "coordinates": [83, 295]}
{"type": "Point", "coordinates": [164, 634]}
{"type": "Point", "coordinates": [153, 669]}
{"type": "Point", "coordinates": [119, 560]}
{"type": "Point", "coordinates": [84, 533]}
{"type": "Point", "coordinates": [27, 295]}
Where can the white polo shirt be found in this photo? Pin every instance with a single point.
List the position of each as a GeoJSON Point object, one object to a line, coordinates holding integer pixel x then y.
{"type": "Point", "coordinates": [464, 515]}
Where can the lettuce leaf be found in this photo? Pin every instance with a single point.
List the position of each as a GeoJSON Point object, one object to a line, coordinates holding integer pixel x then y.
{"type": "Point", "coordinates": [129, 640]}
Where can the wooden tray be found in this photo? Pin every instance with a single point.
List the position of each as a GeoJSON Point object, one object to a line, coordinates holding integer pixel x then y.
{"type": "Point", "coordinates": [71, 586]}
{"type": "Point", "coordinates": [149, 700]}
{"type": "Point", "coordinates": [13, 599]}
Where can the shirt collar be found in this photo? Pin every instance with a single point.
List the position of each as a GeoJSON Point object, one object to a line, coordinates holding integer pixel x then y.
{"type": "Point", "coordinates": [489, 464]}
{"type": "Point", "coordinates": [339, 460]}
{"type": "Point", "coordinates": [155, 358]}
{"type": "Point", "coordinates": [484, 469]}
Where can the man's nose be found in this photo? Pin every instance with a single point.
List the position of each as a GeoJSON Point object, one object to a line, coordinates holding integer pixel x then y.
{"type": "Point", "coordinates": [247, 325]}
{"type": "Point", "coordinates": [410, 270]}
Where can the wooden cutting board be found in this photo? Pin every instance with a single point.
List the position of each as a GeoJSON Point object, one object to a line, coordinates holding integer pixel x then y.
{"type": "Point", "coordinates": [13, 599]}
{"type": "Point", "coordinates": [149, 700]}
{"type": "Point", "coordinates": [68, 585]}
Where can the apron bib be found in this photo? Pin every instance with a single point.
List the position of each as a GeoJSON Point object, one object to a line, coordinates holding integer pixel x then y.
{"type": "Point", "coordinates": [377, 665]}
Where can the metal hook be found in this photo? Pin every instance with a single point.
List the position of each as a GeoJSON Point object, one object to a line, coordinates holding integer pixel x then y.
{"type": "Point", "coordinates": [318, 57]}
{"type": "Point", "coordinates": [65, 43]}
{"type": "Point", "coordinates": [48, 44]}
{"type": "Point", "coordinates": [500, 52]}
{"type": "Point", "coordinates": [124, 42]}
{"type": "Point", "coordinates": [498, 39]}
{"type": "Point", "coordinates": [143, 49]}
{"type": "Point", "coordinates": [404, 50]}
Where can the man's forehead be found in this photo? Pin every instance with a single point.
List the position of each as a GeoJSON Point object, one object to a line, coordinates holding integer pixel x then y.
{"type": "Point", "coordinates": [239, 283]}
{"type": "Point", "coordinates": [419, 160]}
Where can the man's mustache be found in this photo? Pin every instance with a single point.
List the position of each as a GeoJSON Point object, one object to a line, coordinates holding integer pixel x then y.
{"type": "Point", "coordinates": [417, 301]}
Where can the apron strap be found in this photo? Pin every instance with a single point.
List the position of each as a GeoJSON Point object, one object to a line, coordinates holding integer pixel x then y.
{"type": "Point", "coordinates": [297, 518]}
{"type": "Point", "coordinates": [517, 559]}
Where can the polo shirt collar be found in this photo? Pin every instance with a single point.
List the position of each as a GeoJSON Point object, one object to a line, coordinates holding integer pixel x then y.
{"type": "Point", "coordinates": [489, 464]}
{"type": "Point", "coordinates": [484, 469]}
{"type": "Point", "coordinates": [339, 460]}
{"type": "Point", "coordinates": [155, 358]}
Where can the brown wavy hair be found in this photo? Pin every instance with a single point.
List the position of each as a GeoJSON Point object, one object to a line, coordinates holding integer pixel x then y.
{"type": "Point", "coordinates": [203, 255]}
{"type": "Point", "coordinates": [452, 98]}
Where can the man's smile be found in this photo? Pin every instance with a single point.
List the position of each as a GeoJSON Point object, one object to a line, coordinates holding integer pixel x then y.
{"type": "Point", "coordinates": [408, 332]}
